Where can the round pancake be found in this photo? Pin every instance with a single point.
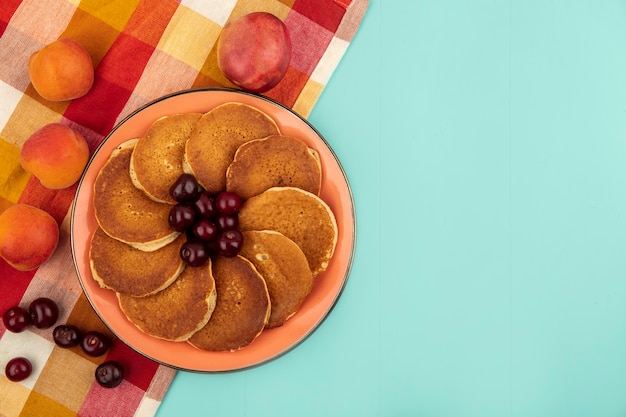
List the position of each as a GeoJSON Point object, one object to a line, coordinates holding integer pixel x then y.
{"type": "Point", "coordinates": [218, 134]}
{"type": "Point", "coordinates": [123, 211]}
{"type": "Point", "coordinates": [301, 216]}
{"type": "Point", "coordinates": [157, 160]}
{"type": "Point", "coordinates": [179, 310]}
{"type": "Point", "coordinates": [124, 269]}
{"type": "Point", "coordinates": [274, 161]}
{"type": "Point", "coordinates": [241, 310]}
{"type": "Point", "coordinates": [285, 269]}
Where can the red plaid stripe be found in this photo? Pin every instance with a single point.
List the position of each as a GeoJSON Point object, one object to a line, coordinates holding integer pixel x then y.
{"type": "Point", "coordinates": [7, 8]}
{"type": "Point", "coordinates": [14, 287]}
{"type": "Point", "coordinates": [148, 26]}
{"type": "Point", "coordinates": [326, 13]}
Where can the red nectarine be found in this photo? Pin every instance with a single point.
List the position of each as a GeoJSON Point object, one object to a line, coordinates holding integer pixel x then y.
{"type": "Point", "coordinates": [254, 50]}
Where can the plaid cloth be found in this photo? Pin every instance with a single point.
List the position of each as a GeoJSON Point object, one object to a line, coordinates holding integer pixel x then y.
{"type": "Point", "coordinates": [142, 49]}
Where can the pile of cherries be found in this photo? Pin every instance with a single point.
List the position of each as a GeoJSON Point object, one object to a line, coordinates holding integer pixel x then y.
{"type": "Point", "coordinates": [43, 314]}
{"type": "Point", "coordinates": [210, 221]}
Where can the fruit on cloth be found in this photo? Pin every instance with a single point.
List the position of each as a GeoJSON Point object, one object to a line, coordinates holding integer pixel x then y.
{"type": "Point", "coordinates": [62, 70]}
{"type": "Point", "coordinates": [16, 319]}
{"type": "Point", "coordinates": [109, 374]}
{"type": "Point", "coordinates": [28, 236]}
{"type": "Point", "coordinates": [254, 51]}
{"type": "Point", "coordinates": [95, 343]}
{"type": "Point", "coordinates": [56, 154]}
{"type": "Point", "coordinates": [67, 335]}
{"type": "Point", "coordinates": [43, 312]}
{"type": "Point", "coordinates": [18, 369]}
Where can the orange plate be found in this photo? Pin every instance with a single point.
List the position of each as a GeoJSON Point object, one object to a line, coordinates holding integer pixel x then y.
{"type": "Point", "coordinates": [271, 343]}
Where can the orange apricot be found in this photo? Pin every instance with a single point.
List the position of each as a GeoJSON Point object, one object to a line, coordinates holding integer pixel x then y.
{"type": "Point", "coordinates": [62, 70]}
{"type": "Point", "coordinates": [28, 236]}
{"type": "Point", "coordinates": [56, 154]}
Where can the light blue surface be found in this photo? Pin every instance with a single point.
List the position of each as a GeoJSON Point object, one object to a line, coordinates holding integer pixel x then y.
{"type": "Point", "coordinates": [485, 143]}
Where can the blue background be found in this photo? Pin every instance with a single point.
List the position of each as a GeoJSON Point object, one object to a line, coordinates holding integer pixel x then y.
{"type": "Point", "coordinates": [485, 143]}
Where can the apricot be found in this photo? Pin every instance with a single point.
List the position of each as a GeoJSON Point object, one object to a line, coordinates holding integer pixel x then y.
{"type": "Point", "coordinates": [56, 154]}
{"type": "Point", "coordinates": [62, 70]}
{"type": "Point", "coordinates": [254, 50]}
{"type": "Point", "coordinates": [28, 236]}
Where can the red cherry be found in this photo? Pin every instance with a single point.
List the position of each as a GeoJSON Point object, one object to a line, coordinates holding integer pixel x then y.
{"type": "Point", "coordinates": [230, 242]}
{"type": "Point", "coordinates": [204, 230]}
{"type": "Point", "coordinates": [18, 369]}
{"type": "Point", "coordinates": [66, 335]}
{"type": "Point", "coordinates": [227, 221]}
{"type": "Point", "coordinates": [228, 202]}
{"type": "Point", "coordinates": [185, 188]}
{"type": "Point", "coordinates": [43, 312]}
{"type": "Point", "coordinates": [95, 343]}
{"type": "Point", "coordinates": [204, 205]}
{"type": "Point", "coordinates": [109, 374]}
{"type": "Point", "coordinates": [181, 217]}
{"type": "Point", "coordinates": [194, 253]}
{"type": "Point", "coordinates": [16, 319]}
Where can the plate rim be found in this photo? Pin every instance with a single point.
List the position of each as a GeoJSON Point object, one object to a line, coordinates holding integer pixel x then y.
{"type": "Point", "coordinates": [351, 254]}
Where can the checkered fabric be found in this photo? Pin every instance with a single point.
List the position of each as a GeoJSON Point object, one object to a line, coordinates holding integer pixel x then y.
{"type": "Point", "coordinates": [142, 49]}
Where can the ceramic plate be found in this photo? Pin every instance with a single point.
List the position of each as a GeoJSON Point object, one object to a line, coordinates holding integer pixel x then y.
{"type": "Point", "coordinates": [271, 343]}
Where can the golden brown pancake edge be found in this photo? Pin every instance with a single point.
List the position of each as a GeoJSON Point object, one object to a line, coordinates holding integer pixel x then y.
{"type": "Point", "coordinates": [274, 161]}
{"type": "Point", "coordinates": [178, 311]}
{"type": "Point", "coordinates": [157, 160]}
{"type": "Point", "coordinates": [241, 310]}
{"type": "Point", "coordinates": [218, 134]}
{"type": "Point", "coordinates": [124, 212]}
{"type": "Point", "coordinates": [285, 269]}
{"type": "Point", "coordinates": [119, 267]}
{"type": "Point", "coordinates": [301, 216]}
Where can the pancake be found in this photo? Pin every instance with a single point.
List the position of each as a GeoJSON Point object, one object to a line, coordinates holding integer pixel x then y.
{"type": "Point", "coordinates": [158, 156]}
{"type": "Point", "coordinates": [285, 269]}
{"type": "Point", "coordinates": [123, 211]}
{"type": "Point", "coordinates": [179, 310]}
{"type": "Point", "coordinates": [124, 269]}
{"type": "Point", "coordinates": [242, 307]}
{"type": "Point", "coordinates": [274, 161]}
{"type": "Point", "coordinates": [301, 216]}
{"type": "Point", "coordinates": [218, 134]}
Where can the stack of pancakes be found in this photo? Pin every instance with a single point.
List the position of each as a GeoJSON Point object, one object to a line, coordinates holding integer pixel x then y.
{"type": "Point", "coordinates": [289, 232]}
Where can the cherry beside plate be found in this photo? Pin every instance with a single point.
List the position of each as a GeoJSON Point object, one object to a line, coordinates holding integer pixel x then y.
{"type": "Point", "coordinates": [271, 343]}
